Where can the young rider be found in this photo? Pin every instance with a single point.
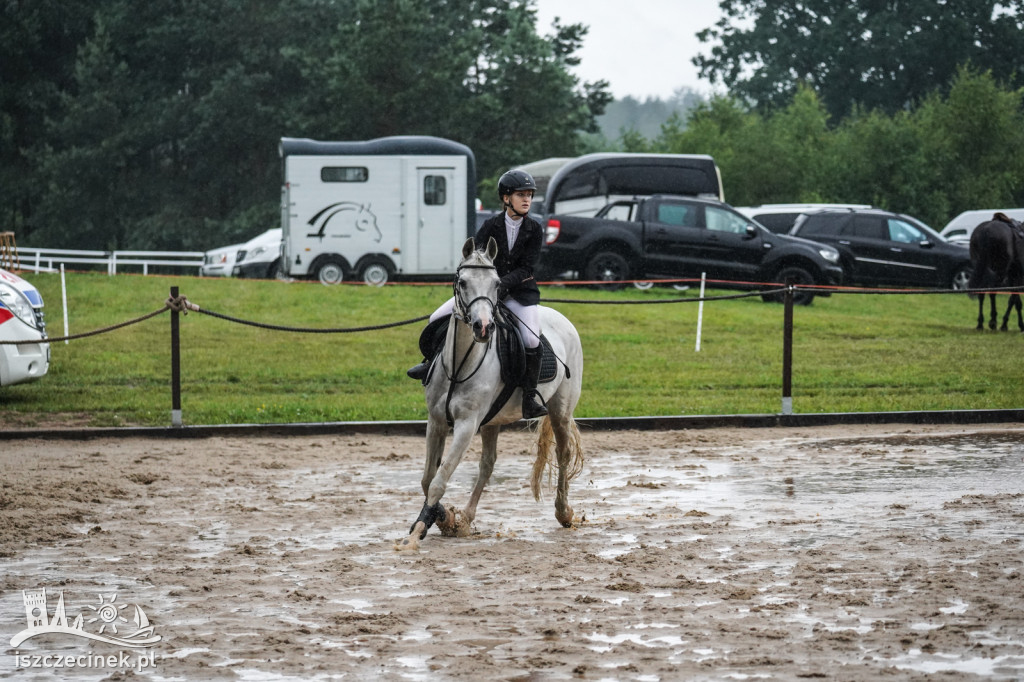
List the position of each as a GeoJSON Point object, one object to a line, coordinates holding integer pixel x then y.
{"type": "Point", "coordinates": [519, 239]}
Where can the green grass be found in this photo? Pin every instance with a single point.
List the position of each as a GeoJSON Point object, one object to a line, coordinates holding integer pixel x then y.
{"type": "Point", "coordinates": [855, 353]}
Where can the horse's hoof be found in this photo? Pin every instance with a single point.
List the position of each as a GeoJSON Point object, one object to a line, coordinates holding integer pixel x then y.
{"type": "Point", "coordinates": [454, 524]}
{"type": "Point", "coordinates": [409, 544]}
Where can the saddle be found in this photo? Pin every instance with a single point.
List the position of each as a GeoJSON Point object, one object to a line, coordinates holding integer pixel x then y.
{"type": "Point", "coordinates": [511, 350]}
{"type": "Point", "coordinates": [1015, 225]}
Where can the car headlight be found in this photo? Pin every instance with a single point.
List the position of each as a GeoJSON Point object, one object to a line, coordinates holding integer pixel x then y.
{"type": "Point", "coordinates": [831, 255]}
{"type": "Point", "coordinates": [18, 304]}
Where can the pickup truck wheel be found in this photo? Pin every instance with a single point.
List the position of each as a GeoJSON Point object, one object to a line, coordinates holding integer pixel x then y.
{"type": "Point", "coordinates": [643, 285]}
{"type": "Point", "coordinates": [792, 274]}
{"type": "Point", "coordinates": [608, 266]}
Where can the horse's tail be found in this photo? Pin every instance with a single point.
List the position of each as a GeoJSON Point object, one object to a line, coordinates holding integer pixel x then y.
{"type": "Point", "coordinates": [546, 443]}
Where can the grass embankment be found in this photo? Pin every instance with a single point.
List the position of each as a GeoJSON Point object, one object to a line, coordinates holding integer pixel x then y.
{"type": "Point", "coordinates": [851, 353]}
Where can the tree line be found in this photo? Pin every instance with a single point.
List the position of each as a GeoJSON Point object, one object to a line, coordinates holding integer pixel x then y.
{"type": "Point", "coordinates": [155, 125]}
{"type": "Point", "coordinates": [952, 152]}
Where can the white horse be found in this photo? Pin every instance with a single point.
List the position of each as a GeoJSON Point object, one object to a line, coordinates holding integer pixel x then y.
{"type": "Point", "coordinates": [464, 382]}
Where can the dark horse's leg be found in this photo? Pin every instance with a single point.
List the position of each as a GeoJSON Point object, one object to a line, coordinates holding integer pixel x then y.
{"type": "Point", "coordinates": [993, 315]}
{"type": "Point", "coordinates": [981, 311]}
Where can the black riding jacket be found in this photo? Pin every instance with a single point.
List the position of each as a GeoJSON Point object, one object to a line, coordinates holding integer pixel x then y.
{"type": "Point", "coordinates": [515, 267]}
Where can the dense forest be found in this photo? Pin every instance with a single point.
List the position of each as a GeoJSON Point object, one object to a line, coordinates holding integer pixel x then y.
{"type": "Point", "coordinates": [155, 125]}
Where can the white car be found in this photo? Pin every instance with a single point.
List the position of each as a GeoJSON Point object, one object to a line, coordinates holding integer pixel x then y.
{"type": "Point", "coordinates": [21, 318]}
{"type": "Point", "coordinates": [779, 218]}
{"type": "Point", "coordinates": [218, 262]}
{"type": "Point", "coordinates": [958, 230]}
{"type": "Point", "coordinates": [260, 257]}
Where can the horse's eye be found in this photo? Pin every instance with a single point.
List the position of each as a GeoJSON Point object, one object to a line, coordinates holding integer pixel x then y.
{"type": "Point", "coordinates": [462, 284]}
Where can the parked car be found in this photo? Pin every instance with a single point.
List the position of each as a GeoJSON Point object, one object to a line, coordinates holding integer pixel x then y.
{"type": "Point", "coordinates": [260, 257]}
{"type": "Point", "coordinates": [779, 218]}
{"type": "Point", "coordinates": [673, 237]}
{"type": "Point", "coordinates": [879, 248]}
{"type": "Point", "coordinates": [219, 262]}
{"type": "Point", "coordinates": [958, 230]}
{"type": "Point", "coordinates": [21, 318]}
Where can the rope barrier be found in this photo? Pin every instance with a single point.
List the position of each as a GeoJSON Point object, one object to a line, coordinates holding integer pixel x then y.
{"type": "Point", "coordinates": [314, 330]}
{"type": "Point", "coordinates": [182, 305]}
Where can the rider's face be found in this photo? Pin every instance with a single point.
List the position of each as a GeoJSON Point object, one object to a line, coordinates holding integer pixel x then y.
{"type": "Point", "coordinates": [520, 200]}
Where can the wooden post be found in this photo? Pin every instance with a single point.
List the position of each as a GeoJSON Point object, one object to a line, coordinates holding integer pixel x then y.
{"type": "Point", "coordinates": [787, 352]}
{"type": "Point", "coordinates": [175, 365]}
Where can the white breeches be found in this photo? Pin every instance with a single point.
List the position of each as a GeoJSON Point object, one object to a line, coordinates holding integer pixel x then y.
{"type": "Point", "coordinates": [528, 319]}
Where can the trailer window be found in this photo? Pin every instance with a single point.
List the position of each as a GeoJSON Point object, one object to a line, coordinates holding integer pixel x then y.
{"type": "Point", "coordinates": [435, 190]}
{"type": "Point", "coordinates": [344, 174]}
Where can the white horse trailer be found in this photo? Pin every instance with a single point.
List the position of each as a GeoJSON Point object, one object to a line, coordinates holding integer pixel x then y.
{"type": "Point", "coordinates": [375, 210]}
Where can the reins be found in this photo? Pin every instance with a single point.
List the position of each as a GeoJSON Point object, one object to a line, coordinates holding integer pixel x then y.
{"type": "Point", "coordinates": [461, 314]}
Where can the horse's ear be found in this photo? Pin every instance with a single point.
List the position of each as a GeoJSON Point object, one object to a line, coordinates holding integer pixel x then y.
{"type": "Point", "coordinates": [468, 247]}
{"type": "Point", "coordinates": [492, 248]}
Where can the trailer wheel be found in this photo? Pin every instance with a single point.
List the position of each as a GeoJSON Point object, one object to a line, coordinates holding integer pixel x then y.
{"type": "Point", "coordinates": [331, 271]}
{"type": "Point", "coordinates": [376, 272]}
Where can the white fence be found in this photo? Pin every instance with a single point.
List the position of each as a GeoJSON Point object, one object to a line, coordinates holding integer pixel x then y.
{"type": "Point", "coordinates": [49, 260]}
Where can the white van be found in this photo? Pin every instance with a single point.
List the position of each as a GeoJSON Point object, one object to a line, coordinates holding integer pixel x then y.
{"type": "Point", "coordinates": [21, 318]}
{"type": "Point", "coordinates": [218, 262]}
{"type": "Point", "coordinates": [260, 257]}
{"type": "Point", "coordinates": [377, 209]}
{"type": "Point", "coordinates": [958, 230]}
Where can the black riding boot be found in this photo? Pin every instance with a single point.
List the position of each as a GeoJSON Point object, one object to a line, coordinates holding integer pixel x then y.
{"type": "Point", "coordinates": [419, 372]}
{"type": "Point", "coordinates": [532, 405]}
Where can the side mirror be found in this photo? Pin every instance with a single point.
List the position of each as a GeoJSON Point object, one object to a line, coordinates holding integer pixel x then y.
{"type": "Point", "coordinates": [751, 231]}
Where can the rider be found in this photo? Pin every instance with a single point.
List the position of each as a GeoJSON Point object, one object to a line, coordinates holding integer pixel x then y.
{"type": "Point", "coordinates": [519, 240]}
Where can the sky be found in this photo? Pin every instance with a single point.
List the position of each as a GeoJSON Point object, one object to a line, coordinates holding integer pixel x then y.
{"type": "Point", "coordinates": [641, 47]}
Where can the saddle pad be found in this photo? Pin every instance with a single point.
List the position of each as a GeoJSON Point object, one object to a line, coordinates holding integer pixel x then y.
{"type": "Point", "coordinates": [548, 363]}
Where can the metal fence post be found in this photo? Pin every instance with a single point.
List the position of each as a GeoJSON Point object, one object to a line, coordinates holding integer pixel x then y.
{"type": "Point", "coordinates": [175, 365]}
{"type": "Point", "coordinates": [787, 352]}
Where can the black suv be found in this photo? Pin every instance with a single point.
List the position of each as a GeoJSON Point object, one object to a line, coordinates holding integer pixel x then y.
{"type": "Point", "coordinates": [667, 236]}
{"type": "Point", "coordinates": [879, 248]}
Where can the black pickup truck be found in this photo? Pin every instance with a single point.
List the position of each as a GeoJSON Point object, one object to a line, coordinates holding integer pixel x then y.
{"type": "Point", "coordinates": [681, 237]}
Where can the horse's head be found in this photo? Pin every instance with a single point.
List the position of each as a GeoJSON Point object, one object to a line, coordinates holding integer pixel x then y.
{"type": "Point", "coordinates": [476, 289]}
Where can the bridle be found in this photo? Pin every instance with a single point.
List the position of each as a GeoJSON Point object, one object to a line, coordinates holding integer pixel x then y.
{"type": "Point", "coordinates": [461, 313]}
{"type": "Point", "coordinates": [461, 310]}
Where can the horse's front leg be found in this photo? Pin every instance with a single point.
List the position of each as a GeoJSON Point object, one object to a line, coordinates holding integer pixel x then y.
{"type": "Point", "coordinates": [443, 468]}
{"type": "Point", "coordinates": [993, 314]}
{"type": "Point", "coordinates": [488, 455]}
{"type": "Point", "coordinates": [437, 433]}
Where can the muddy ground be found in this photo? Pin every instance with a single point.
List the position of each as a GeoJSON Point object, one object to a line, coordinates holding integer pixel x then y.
{"type": "Point", "coordinates": [855, 553]}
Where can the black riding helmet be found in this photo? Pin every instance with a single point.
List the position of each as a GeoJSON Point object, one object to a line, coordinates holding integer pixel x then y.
{"type": "Point", "coordinates": [515, 180]}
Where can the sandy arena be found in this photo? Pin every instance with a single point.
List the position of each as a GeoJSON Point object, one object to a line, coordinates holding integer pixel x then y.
{"type": "Point", "coordinates": [852, 553]}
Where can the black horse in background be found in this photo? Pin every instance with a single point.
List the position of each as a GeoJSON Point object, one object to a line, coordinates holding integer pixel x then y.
{"type": "Point", "coordinates": [997, 256]}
